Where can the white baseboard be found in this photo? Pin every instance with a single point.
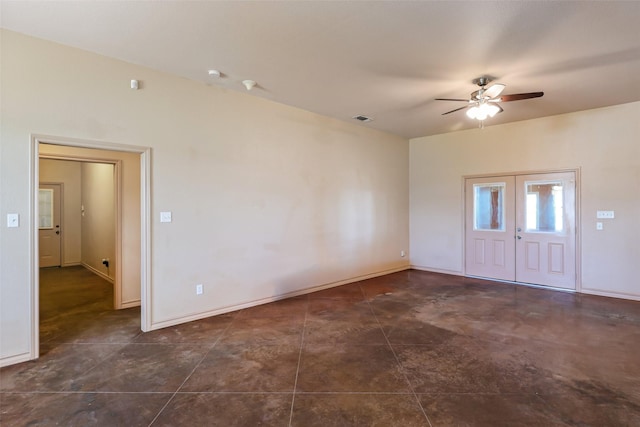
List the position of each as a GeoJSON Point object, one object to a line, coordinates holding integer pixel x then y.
{"type": "Point", "coordinates": [12, 360]}
{"type": "Point", "coordinates": [436, 270]}
{"type": "Point", "coordinates": [586, 291]}
{"type": "Point", "coordinates": [203, 315]}
{"type": "Point", "coordinates": [98, 272]}
{"type": "Point", "coordinates": [131, 303]}
{"type": "Point", "coordinates": [610, 294]}
{"type": "Point", "coordinates": [70, 264]}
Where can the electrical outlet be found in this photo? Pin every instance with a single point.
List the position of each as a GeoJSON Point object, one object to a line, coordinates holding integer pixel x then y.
{"type": "Point", "coordinates": [199, 289]}
{"type": "Point", "coordinates": [165, 216]}
{"type": "Point", "coordinates": [598, 226]}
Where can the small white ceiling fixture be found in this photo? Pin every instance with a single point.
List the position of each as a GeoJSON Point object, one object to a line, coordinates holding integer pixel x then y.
{"type": "Point", "coordinates": [214, 73]}
{"type": "Point", "coordinates": [249, 84]}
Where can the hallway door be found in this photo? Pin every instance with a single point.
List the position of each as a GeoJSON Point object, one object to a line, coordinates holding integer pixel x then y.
{"type": "Point", "coordinates": [49, 215]}
{"type": "Point", "coordinates": [522, 228]}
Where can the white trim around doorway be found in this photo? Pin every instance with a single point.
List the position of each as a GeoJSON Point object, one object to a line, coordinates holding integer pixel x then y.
{"type": "Point", "coordinates": [145, 231]}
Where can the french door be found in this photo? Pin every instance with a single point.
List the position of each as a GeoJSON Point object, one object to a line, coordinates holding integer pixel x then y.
{"type": "Point", "coordinates": [522, 228]}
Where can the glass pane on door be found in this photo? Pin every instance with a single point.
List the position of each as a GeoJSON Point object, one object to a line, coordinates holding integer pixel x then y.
{"type": "Point", "coordinates": [544, 211]}
{"type": "Point", "coordinates": [45, 208]}
{"type": "Point", "coordinates": [488, 207]}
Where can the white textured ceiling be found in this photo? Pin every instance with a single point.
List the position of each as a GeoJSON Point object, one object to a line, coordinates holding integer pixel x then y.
{"type": "Point", "coordinates": [384, 59]}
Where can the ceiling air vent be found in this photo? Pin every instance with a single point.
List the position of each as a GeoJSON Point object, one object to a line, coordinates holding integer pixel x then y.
{"type": "Point", "coordinates": [362, 118]}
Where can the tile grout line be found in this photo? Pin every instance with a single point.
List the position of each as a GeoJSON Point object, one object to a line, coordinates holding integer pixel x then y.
{"type": "Point", "coordinates": [99, 363]}
{"type": "Point", "coordinates": [295, 383]}
{"type": "Point", "coordinates": [398, 361]}
{"type": "Point", "coordinates": [192, 371]}
{"type": "Point", "coordinates": [56, 342]}
{"type": "Point", "coordinates": [373, 393]}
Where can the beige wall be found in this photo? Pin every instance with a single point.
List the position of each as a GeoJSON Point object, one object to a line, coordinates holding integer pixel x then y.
{"type": "Point", "coordinates": [602, 143]}
{"type": "Point", "coordinates": [69, 174]}
{"type": "Point", "coordinates": [98, 218]}
{"type": "Point", "coordinates": [266, 199]}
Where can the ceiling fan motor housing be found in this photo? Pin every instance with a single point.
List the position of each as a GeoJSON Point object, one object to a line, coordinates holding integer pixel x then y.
{"type": "Point", "coordinates": [481, 81]}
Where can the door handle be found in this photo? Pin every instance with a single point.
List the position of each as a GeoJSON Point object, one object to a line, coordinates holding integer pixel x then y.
{"type": "Point", "coordinates": [519, 237]}
{"type": "Point", "coordinates": [518, 229]}
{"type": "Point", "coordinates": [57, 231]}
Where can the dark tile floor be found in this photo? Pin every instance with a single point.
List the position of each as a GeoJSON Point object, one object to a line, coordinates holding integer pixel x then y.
{"type": "Point", "coordinates": [411, 348]}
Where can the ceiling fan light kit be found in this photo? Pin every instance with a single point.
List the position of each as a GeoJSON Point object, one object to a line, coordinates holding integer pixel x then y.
{"type": "Point", "coordinates": [482, 111]}
{"type": "Point", "coordinates": [483, 103]}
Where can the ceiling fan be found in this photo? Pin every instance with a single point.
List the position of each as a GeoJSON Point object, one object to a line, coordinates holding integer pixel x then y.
{"type": "Point", "coordinates": [483, 102]}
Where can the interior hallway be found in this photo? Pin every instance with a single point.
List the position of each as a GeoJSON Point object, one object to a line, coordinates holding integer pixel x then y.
{"type": "Point", "coordinates": [407, 349]}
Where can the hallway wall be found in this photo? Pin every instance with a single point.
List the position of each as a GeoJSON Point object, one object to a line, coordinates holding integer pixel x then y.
{"type": "Point", "coordinates": [99, 218]}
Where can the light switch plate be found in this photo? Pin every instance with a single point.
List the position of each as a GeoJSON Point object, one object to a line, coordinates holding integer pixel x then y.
{"type": "Point", "coordinates": [165, 216]}
{"type": "Point", "coordinates": [605, 214]}
{"type": "Point", "coordinates": [13, 220]}
{"type": "Point", "coordinates": [598, 226]}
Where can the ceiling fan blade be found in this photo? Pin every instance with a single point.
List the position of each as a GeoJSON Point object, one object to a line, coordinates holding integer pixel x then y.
{"type": "Point", "coordinates": [457, 109]}
{"type": "Point", "coordinates": [519, 96]}
{"type": "Point", "coordinates": [494, 90]}
{"type": "Point", "coordinates": [452, 99]}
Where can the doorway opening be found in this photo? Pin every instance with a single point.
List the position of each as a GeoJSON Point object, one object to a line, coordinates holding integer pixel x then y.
{"type": "Point", "coordinates": [82, 225]}
{"type": "Point", "coordinates": [126, 261]}
{"type": "Point", "coordinates": [522, 228]}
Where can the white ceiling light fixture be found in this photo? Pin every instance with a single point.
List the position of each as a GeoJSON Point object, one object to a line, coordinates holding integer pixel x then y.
{"type": "Point", "coordinates": [214, 73]}
{"type": "Point", "coordinates": [482, 110]}
{"type": "Point", "coordinates": [249, 84]}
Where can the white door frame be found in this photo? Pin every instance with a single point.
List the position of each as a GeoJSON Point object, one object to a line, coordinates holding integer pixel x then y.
{"type": "Point", "coordinates": [578, 252]}
{"type": "Point", "coordinates": [145, 241]}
